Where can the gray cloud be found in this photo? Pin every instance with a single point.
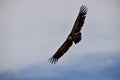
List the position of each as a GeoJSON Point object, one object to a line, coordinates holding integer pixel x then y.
{"type": "Point", "coordinates": [33, 30]}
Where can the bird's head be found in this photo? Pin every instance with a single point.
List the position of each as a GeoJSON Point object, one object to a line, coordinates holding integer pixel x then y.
{"type": "Point", "coordinates": [69, 37]}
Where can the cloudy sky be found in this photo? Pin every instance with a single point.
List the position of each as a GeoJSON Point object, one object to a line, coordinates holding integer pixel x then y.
{"type": "Point", "coordinates": [32, 30]}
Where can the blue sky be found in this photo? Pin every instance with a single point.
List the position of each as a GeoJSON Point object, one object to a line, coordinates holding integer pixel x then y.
{"type": "Point", "coordinates": [102, 68]}
{"type": "Point", "coordinates": [32, 31]}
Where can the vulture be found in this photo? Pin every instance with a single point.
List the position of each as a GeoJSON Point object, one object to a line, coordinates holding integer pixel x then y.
{"type": "Point", "coordinates": [74, 36]}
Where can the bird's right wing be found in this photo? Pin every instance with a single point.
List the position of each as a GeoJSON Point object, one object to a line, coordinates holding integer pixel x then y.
{"type": "Point", "coordinates": [80, 20]}
{"type": "Point", "coordinates": [76, 34]}
{"type": "Point", "coordinates": [61, 51]}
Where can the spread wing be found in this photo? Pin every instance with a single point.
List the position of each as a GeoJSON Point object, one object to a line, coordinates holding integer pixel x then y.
{"type": "Point", "coordinates": [80, 19]}
{"type": "Point", "coordinates": [61, 51]}
{"type": "Point", "coordinates": [78, 24]}
{"type": "Point", "coordinates": [75, 35]}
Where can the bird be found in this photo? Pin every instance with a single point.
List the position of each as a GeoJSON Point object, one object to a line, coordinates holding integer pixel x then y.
{"type": "Point", "coordinates": [73, 37]}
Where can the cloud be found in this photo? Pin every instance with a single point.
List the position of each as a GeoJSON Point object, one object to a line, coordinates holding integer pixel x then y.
{"type": "Point", "coordinates": [33, 30]}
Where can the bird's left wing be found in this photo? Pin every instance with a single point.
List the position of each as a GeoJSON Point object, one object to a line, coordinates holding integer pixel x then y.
{"type": "Point", "coordinates": [61, 51]}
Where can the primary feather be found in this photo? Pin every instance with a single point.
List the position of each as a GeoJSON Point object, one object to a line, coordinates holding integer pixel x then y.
{"type": "Point", "coordinates": [74, 36]}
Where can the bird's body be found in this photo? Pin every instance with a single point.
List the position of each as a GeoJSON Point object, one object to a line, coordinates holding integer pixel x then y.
{"type": "Point", "coordinates": [74, 36]}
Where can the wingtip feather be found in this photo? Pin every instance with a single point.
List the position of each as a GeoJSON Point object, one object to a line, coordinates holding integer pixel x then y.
{"type": "Point", "coordinates": [83, 9]}
{"type": "Point", "coordinates": [53, 60]}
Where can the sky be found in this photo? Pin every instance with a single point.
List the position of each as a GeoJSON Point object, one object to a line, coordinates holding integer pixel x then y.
{"type": "Point", "coordinates": [32, 30]}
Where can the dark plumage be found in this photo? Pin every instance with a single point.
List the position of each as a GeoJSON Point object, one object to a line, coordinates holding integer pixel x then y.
{"type": "Point", "coordinates": [74, 36]}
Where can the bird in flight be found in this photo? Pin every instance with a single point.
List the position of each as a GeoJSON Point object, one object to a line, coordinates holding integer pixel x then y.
{"type": "Point", "coordinates": [74, 36]}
